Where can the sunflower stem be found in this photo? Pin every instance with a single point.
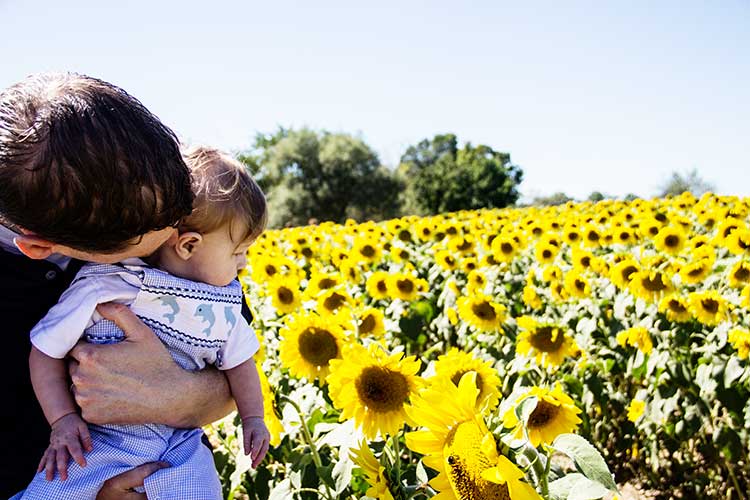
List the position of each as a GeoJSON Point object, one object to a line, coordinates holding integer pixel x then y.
{"type": "Point", "coordinates": [308, 438]}
{"type": "Point", "coordinates": [545, 475]}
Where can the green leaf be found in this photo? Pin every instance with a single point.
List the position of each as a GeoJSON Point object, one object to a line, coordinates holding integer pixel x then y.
{"type": "Point", "coordinates": [422, 473]}
{"type": "Point", "coordinates": [732, 372]}
{"type": "Point", "coordinates": [587, 459]}
{"type": "Point", "coordinates": [342, 474]}
{"type": "Point", "coordinates": [576, 487]}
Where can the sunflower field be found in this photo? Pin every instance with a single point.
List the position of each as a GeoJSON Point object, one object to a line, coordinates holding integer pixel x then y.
{"type": "Point", "coordinates": [523, 353]}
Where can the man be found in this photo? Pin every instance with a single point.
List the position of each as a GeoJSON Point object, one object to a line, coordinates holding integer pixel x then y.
{"type": "Point", "coordinates": [65, 140]}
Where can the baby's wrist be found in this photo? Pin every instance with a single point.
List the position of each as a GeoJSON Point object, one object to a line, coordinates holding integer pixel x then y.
{"type": "Point", "coordinates": [61, 417]}
{"type": "Point", "coordinates": [251, 417]}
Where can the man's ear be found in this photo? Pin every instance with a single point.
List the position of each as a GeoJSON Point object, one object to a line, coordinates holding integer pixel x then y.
{"type": "Point", "coordinates": [34, 247]}
{"type": "Point", "coordinates": [187, 243]}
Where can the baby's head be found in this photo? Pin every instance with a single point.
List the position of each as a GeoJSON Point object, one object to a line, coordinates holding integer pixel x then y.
{"type": "Point", "coordinates": [229, 212]}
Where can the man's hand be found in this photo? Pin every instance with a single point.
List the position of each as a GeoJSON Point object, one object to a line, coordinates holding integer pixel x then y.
{"type": "Point", "coordinates": [136, 381]}
{"type": "Point", "coordinates": [121, 487]}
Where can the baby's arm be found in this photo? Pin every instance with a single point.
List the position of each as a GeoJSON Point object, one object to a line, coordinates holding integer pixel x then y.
{"type": "Point", "coordinates": [245, 385]}
{"type": "Point", "coordinates": [70, 434]}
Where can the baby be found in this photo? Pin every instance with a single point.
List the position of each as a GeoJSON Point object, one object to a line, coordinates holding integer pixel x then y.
{"type": "Point", "coordinates": [188, 294]}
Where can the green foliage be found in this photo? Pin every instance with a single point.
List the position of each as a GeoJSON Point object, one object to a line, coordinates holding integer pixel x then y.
{"type": "Point", "coordinates": [440, 177]}
{"type": "Point", "coordinates": [322, 176]}
{"type": "Point", "coordinates": [558, 198]}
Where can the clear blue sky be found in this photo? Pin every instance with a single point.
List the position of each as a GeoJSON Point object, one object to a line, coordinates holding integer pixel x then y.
{"type": "Point", "coordinates": [599, 95]}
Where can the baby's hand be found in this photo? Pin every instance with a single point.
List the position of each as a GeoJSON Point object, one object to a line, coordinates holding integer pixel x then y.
{"type": "Point", "coordinates": [69, 438]}
{"type": "Point", "coordinates": [256, 438]}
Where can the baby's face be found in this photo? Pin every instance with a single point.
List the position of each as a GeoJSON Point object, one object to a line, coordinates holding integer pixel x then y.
{"type": "Point", "coordinates": [218, 258]}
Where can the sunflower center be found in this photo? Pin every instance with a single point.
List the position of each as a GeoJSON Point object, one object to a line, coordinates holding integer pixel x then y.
{"type": "Point", "coordinates": [696, 271]}
{"type": "Point", "coordinates": [317, 346]}
{"type": "Point", "coordinates": [676, 306]}
{"type": "Point", "coordinates": [547, 339]}
{"type": "Point", "coordinates": [381, 286]}
{"type": "Point", "coordinates": [593, 236]}
{"type": "Point", "coordinates": [368, 251]}
{"type": "Point", "coordinates": [405, 286]}
{"type": "Point", "coordinates": [405, 235]}
{"type": "Point", "coordinates": [381, 389]}
{"type": "Point", "coordinates": [624, 236]}
{"type": "Point", "coordinates": [546, 254]}
{"type": "Point", "coordinates": [456, 378]}
{"type": "Point", "coordinates": [368, 324]}
{"type": "Point", "coordinates": [580, 285]}
{"type": "Point", "coordinates": [586, 261]}
{"type": "Point", "coordinates": [627, 272]}
{"type": "Point", "coordinates": [542, 414]}
{"type": "Point", "coordinates": [742, 274]}
{"type": "Point", "coordinates": [506, 248]}
{"type": "Point", "coordinates": [654, 285]}
{"type": "Point", "coordinates": [326, 283]}
{"type": "Point", "coordinates": [710, 305]}
{"type": "Point", "coordinates": [270, 269]}
{"type": "Point", "coordinates": [285, 295]}
{"type": "Point", "coordinates": [483, 310]}
{"type": "Point", "coordinates": [465, 245]}
{"type": "Point", "coordinates": [573, 236]}
{"type": "Point", "coordinates": [333, 302]}
{"type": "Point", "coordinates": [465, 462]}
{"type": "Point", "coordinates": [307, 252]}
{"type": "Point", "coordinates": [672, 241]}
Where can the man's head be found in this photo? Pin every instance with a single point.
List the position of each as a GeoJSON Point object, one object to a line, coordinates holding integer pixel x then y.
{"type": "Point", "coordinates": [86, 170]}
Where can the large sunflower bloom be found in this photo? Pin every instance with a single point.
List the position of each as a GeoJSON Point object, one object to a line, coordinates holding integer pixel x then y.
{"type": "Point", "coordinates": [481, 311]}
{"type": "Point", "coordinates": [405, 286]}
{"type": "Point", "coordinates": [308, 344]}
{"type": "Point", "coordinates": [650, 285]}
{"type": "Point", "coordinates": [372, 386]}
{"type": "Point", "coordinates": [455, 363]}
{"type": "Point", "coordinates": [670, 239]}
{"type": "Point", "coordinates": [555, 413]}
{"type": "Point", "coordinates": [676, 309]}
{"type": "Point", "coordinates": [456, 443]}
{"type": "Point", "coordinates": [548, 343]}
{"type": "Point", "coordinates": [375, 473]}
{"type": "Point", "coordinates": [370, 321]}
{"type": "Point", "coordinates": [576, 285]}
{"type": "Point", "coordinates": [708, 307]}
{"type": "Point", "coordinates": [377, 285]}
{"type": "Point", "coordinates": [696, 271]}
{"type": "Point", "coordinates": [739, 275]}
{"type": "Point", "coordinates": [622, 273]}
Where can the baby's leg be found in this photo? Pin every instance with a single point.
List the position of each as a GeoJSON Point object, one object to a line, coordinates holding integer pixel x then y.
{"type": "Point", "coordinates": [116, 449]}
{"type": "Point", "coordinates": [192, 475]}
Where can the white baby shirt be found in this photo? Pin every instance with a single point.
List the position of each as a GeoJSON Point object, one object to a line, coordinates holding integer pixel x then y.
{"type": "Point", "coordinates": [199, 323]}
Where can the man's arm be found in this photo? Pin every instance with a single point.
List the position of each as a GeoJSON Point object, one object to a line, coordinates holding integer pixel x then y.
{"type": "Point", "coordinates": [136, 381]}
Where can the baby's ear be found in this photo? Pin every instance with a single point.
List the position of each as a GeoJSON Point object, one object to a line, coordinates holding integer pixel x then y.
{"type": "Point", "coordinates": [187, 243]}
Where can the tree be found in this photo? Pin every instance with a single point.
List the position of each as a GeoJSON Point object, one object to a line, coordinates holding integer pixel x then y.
{"type": "Point", "coordinates": [597, 196]}
{"type": "Point", "coordinates": [558, 198]}
{"type": "Point", "coordinates": [323, 176]}
{"type": "Point", "coordinates": [689, 181]}
{"type": "Point", "coordinates": [257, 157]}
{"type": "Point", "coordinates": [440, 177]}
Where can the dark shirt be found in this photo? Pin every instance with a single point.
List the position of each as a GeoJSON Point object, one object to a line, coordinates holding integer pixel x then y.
{"type": "Point", "coordinates": [28, 288]}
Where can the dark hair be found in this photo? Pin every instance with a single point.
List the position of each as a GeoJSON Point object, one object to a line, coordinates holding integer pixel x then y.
{"type": "Point", "coordinates": [225, 193]}
{"type": "Point", "coordinates": [86, 165]}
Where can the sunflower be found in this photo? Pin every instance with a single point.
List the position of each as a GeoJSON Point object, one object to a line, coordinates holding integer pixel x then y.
{"type": "Point", "coordinates": [320, 281]}
{"type": "Point", "coordinates": [739, 275]}
{"type": "Point", "coordinates": [405, 286]}
{"type": "Point", "coordinates": [481, 311]}
{"type": "Point", "coordinates": [552, 273]}
{"type": "Point", "coordinates": [637, 337]}
{"type": "Point", "coordinates": [670, 239]}
{"type": "Point", "coordinates": [334, 301]}
{"type": "Point", "coordinates": [505, 248]}
{"type": "Point", "coordinates": [374, 472]}
{"type": "Point", "coordinates": [650, 285]}
{"type": "Point", "coordinates": [592, 236]}
{"type": "Point", "coordinates": [372, 386]}
{"type": "Point", "coordinates": [740, 340]}
{"type": "Point", "coordinates": [745, 297]}
{"type": "Point", "coordinates": [456, 443]}
{"type": "Point", "coordinates": [271, 419]}
{"type": "Point", "coordinates": [476, 282]}
{"type": "Point", "coordinates": [370, 322]}
{"type": "Point", "coordinates": [547, 342]}
{"type": "Point", "coordinates": [554, 414]}
{"type": "Point", "coordinates": [377, 285]}
{"type": "Point", "coordinates": [545, 253]}
{"type": "Point", "coordinates": [636, 409]}
{"type": "Point", "coordinates": [446, 260]}
{"type": "Point", "coordinates": [285, 294]}
{"type": "Point", "coordinates": [675, 308]}
{"type": "Point", "coordinates": [582, 259]}
{"type": "Point", "coordinates": [576, 285]}
{"type": "Point", "coordinates": [695, 272]}
{"type": "Point", "coordinates": [366, 250]}
{"type": "Point", "coordinates": [708, 307]}
{"type": "Point", "coordinates": [531, 298]}
{"type": "Point", "coordinates": [572, 234]}
{"type": "Point", "coordinates": [462, 244]}
{"type": "Point", "coordinates": [455, 363]}
{"type": "Point", "coordinates": [308, 344]}
{"type": "Point", "coordinates": [350, 269]}
{"type": "Point", "coordinates": [738, 242]}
